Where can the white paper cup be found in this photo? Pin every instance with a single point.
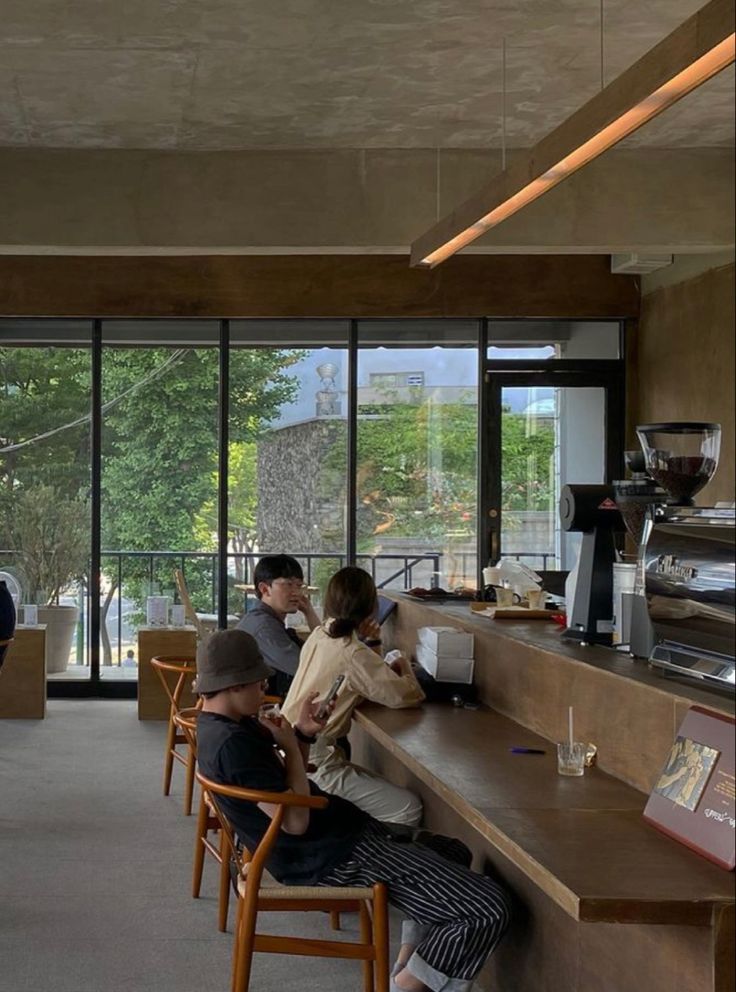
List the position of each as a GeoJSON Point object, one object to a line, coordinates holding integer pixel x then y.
{"type": "Point", "coordinates": [536, 598]}
{"type": "Point", "coordinates": [157, 611]}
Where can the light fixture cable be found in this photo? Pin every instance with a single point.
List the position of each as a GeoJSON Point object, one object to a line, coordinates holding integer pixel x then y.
{"type": "Point", "coordinates": [503, 104]}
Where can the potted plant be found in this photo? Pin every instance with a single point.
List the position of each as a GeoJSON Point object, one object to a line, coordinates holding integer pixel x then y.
{"type": "Point", "coordinates": [50, 534]}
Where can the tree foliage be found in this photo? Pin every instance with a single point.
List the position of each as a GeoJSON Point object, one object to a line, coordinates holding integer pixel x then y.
{"type": "Point", "coordinates": [159, 443]}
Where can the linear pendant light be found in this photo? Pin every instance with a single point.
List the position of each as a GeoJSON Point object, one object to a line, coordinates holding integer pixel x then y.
{"type": "Point", "coordinates": [694, 52]}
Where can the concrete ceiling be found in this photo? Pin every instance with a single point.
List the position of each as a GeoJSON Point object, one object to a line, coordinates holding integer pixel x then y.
{"type": "Point", "coordinates": [244, 74]}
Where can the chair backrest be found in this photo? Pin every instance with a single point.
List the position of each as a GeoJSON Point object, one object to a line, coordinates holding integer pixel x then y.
{"type": "Point", "coordinates": [255, 860]}
{"type": "Point", "coordinates": [173, 672]}
{"type": "Point", "coordinates": [186, 721]}
{"type": "Point", "coordinates": [189, 611]}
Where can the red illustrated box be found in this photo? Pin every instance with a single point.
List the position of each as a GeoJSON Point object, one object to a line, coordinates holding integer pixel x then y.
{"type": "Point", "coordinates": [694, 799]}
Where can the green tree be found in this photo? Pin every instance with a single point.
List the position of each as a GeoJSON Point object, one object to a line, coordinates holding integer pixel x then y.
{"type": "Point", "coordinates": [41, 390]}
{"type": "Point", "coordinates": [528, 462]}
{"type": "Point", "coordinates": [159, 440]}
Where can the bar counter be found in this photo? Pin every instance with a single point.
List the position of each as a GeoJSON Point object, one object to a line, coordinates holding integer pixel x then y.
{"type": "Point", "coordinates": [605, 903]}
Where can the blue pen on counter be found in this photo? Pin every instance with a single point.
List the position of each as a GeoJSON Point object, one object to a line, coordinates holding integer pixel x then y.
{"type": "Point", "coordinates": [527, 750]}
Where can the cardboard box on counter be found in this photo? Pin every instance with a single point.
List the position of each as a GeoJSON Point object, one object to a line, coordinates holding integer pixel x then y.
{"type": "Point", "coordinates": [447, 641]}
{"type": "Point", "coordinates": [443, 668]}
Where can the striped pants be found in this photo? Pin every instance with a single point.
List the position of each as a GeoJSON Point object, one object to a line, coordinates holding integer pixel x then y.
{"type": "Point", "coordinates": [456, 917]}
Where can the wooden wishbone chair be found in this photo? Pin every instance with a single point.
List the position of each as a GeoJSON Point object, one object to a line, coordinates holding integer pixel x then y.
{"type": "Point", "coordinates": [259, 893]}
{"type": "Point", "coordinates": [208, 827]}
{"type": "Point", "coordinates": [174, 672]}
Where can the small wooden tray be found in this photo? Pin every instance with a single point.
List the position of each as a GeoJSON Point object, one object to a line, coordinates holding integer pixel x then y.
{"type": "Point", "coordinates": [510, 612]}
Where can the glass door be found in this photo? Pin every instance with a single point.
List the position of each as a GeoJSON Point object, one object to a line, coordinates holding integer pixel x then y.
{"type": "Point", "coordinates": [545, 430]}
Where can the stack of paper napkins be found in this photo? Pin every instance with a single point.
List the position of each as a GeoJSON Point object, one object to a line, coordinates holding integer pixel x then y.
{"type": "Point", "coordinates": [446, 653]}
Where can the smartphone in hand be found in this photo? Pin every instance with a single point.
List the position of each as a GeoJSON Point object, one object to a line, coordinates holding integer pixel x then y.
{"type": "Point", "coordinates": [334, 689]}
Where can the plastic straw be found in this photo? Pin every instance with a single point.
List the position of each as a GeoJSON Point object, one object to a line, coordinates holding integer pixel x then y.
{"type": "Point", "coordinates": [569, 724]}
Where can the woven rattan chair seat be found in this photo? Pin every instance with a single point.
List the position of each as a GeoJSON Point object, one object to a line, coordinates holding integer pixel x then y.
{"type": "Point", "coordinates": [271, 889]}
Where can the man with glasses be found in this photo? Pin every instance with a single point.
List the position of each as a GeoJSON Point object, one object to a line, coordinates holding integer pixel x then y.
{"type": "Point", "coordinates": [279, 586]}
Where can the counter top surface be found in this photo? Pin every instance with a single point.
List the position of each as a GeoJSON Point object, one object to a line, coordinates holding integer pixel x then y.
{"type": "Point", "coordinates": [547, 636]}
{"type": "Point", "coordinates": [582, 840]}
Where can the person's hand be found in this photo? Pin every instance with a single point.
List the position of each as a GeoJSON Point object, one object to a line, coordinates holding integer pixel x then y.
{"type": "Point", "coordinates": [309, 720]}
{"type": "Point", "coordinates": [302, 600]}
{"type": "Point", "coordinates": [310, 614]}
{"type": "Point", "coordinates": [369, 630]}
{"type": "Point", "coordinates": [400, 665]}
{"type": "Point", "coordinates": [281, 731]}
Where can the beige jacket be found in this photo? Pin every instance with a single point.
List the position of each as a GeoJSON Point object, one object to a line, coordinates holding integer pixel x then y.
{"type": "Point", "coordinates": [367, 676]}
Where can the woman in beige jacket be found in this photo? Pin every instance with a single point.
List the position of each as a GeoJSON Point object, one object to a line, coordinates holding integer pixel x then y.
{"type": "Point", "coordinates": [348, 643]}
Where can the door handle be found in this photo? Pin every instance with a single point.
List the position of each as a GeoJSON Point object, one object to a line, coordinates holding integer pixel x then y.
{"type": "Point", "coordinates": [494, 546]}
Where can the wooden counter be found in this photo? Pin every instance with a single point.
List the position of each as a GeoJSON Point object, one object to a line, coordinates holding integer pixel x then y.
{"type": "Point", "coordinates": [152, 641]}
{"type": "Point", "coordinates": [582, 841]}
{"type": "Point", "coordinates": [604, 902]}
{"type": "Point", "coordinates": [528, 672]}
{"type": "Point", "coordinates": [23, 676]}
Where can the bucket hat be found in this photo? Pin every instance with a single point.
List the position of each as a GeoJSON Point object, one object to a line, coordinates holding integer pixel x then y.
{"type": "Point", "coordinates": [227, 658]}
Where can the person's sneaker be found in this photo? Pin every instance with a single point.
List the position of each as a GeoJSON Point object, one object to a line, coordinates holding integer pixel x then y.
{"type": "Point", "coordinates": [448, 847]}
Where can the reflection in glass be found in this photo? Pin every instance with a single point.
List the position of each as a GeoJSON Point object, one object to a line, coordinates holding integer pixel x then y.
{"type": "Point", "coordinates": [551, 437]}
{"type": "Point", "coordinates": [417, 463]}
{"type": "Point", "coordinates": [535, 340]}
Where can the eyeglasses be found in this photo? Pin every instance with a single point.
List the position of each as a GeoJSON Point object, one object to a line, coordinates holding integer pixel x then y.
{"type": "Point", "coordinates": [295, 584]}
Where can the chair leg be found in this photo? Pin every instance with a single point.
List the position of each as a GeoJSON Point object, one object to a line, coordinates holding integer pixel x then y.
{"type": "Point", "coordinates": [189, 790]}
{"type": "Point", "coordinates": [224, 895]}
{"type": "Point", "coordinates": [335, 919]}
{"type": "Point", "coordinates": [366, 937]}
{"type": "Point", "coordinates": [244, 939]}
{"type": "Point", "coordinates": [202, 818]}
{"type": "Point", "coordinates": [380, 936]}
{"type": "Point", "coordinates": [169, 756]}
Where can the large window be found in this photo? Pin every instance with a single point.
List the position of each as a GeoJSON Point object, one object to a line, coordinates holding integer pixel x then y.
{"type": "Point", "coordinates": [288, 406]}
{"type": "Point", "coordinates": [159, 442]}
{"type": "Point", "coordinates": [418, 449]}
{"type": "Point", "coordinates": [45, 481]}
{"type": "Point", "coordinates": [417, 452]}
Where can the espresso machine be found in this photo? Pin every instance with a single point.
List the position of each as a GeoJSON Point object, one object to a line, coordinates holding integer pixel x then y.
{"type": "Point", "coordinates": [688, 558]}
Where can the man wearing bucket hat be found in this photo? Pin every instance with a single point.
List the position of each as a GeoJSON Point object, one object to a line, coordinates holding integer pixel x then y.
{"type": "Point", "coordinates": [456, 917]}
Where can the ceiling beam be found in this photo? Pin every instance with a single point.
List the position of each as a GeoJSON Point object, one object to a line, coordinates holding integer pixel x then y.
{"type": "Point", "coordinates": [694, 52]}
{"type": "Point", "coordinates": [75, 201]}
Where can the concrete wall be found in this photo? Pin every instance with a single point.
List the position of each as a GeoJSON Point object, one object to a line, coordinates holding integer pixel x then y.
{"type": "Point", "coordinates": [682, 361]}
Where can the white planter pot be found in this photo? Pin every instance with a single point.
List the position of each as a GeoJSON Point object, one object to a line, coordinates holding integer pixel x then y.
{"type": "Point", "coordinates": [61, 623]}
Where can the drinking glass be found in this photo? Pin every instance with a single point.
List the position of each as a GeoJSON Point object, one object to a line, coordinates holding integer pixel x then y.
{"type": "Point", "coordinates": [571, 758]}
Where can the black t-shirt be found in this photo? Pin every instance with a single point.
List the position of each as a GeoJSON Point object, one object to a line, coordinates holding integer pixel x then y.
{"type": "Point", "coordinates": [244, 754]}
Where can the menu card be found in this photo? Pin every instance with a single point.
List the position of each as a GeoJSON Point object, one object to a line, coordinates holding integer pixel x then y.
{"type": "Point", "coordinates": [694, 798]}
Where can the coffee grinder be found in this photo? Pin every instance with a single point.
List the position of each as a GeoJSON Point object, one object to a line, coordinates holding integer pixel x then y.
{"type": "Point", "coordinates": [637, 499]}
{"type": "Point", "coordinates": [592, 511]}
{"type": "Point", "coordinates": [681, 456]}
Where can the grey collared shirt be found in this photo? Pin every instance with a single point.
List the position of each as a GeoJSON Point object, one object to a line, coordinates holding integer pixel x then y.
{"type": "Point", "coordinates": [280, 647]}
